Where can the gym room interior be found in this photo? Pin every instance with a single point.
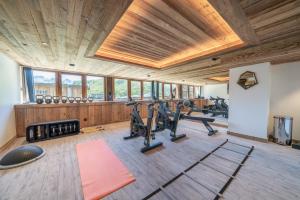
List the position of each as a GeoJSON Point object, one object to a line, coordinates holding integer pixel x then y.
{"type": "Point", "coordinates": [149, 99]}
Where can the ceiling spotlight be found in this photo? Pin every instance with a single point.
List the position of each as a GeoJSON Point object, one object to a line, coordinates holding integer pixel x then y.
{"type": "Point", "coordinates": [72, 65]}
{"type": "Point", "coordinates": [44, 43]}
{"type": "Point", "coordinates": [149, 75]}
{"type": "Point", "coordinates": [24, 44]}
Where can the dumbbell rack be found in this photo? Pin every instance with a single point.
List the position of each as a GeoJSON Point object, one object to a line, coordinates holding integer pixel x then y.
{"type": "Point", "coordinates": [51, 130]}
{"type": "Point", "coordinates": [218, 194]}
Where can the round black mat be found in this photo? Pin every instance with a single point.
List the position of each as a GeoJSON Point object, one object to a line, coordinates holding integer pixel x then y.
{"type": "Point", "coordinates": [21, 156]}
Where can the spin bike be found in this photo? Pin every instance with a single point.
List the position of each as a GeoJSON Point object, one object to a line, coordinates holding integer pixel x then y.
{"type": "Point", "coordinates": [138, 128]}
{"type": "Point", "coordinates": [166, 119]}
{"type": "Point", "coordinates": [163, 120]}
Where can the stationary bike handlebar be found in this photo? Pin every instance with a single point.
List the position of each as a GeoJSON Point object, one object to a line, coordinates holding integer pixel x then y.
{"type": "Point", "coordinates": [132, 103]}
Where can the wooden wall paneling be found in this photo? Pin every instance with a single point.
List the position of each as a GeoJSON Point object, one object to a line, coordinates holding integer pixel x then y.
{"type": "Point", "coordinates": [144, 110]}
{"type": "Point", "coordinates": [107, 113]}
{"type": "Point", "coordinates": [142, 90]}
{"type": "Point", "coordinates": [58, 84]}
{"type": "Point", "coordinates": [116, 112]}
{"type": "Point", "coordinates": [84, 86]}
{"type": "Point", "coordinates": [89, 114]}
{"type": "Point", "coordinates": [109, 87]}
{"type": "Point", "coordinates": [30, 112]}
{"type": "Point", "coordinates": [20, 115]}
{"type": "Point", "coordinates": [97, 117]}
{"type": "Point", "coordinates": [128, 88]}
{"type": "Point", "coordinates": [179, 90]}
{"type": "Point", "coordinates": [84, 116]}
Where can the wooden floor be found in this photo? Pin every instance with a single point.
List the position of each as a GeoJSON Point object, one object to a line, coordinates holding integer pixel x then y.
{"type": "Point", "coordinates": [273, 171]}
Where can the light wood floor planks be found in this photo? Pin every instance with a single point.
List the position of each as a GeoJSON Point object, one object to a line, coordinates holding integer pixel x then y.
{"type": "Point", "coordinates": [273, 171]}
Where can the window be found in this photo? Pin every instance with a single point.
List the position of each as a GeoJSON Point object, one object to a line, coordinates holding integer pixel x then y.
{"type": "Point", "coordinates": [136, 89]}
{"type": "Point", "coordinates": [185, 94]}
{"type": "Point", "coordinates": [120, 89]}
{"type": "Point", "coordinates": [174, 91]}
{"type": "Point", "coordinates": [191, 92]}
{"type": "Point", "coordinates": [167, 90]}
{"type": "Point", "coordinates": [44, 83]}
{"type": "Point", "coordinates": [71, 85]}
{"type": "Point", "coordinates": [160, 91]}
{"type": "Point", "coordinates": [197, 91]}
{"type": "Point", "coordinates": [95, 87]}
{"type": "Point", "coordinates": [147, 86]}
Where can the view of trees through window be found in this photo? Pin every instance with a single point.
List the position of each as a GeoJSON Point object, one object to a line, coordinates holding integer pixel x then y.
{"type": "Point", "coordinates": [71, 85]}
{"type": "Point", "coordinates": [167, 90]}
{"type": "Point", "coordinates": [44, 83]}
{"type": "Point", "coordinates": [95, 87]}
{"type": "Point", "coordinates": [185, 94]}
{"type": "Point", "coordinates": [147, 86]}
{"type": "Point", "coordinates": [120, 90]}
{"type": "Point", "coordinates": [136, 89]}
{"type": "Point", "coordinates": [191, 92]}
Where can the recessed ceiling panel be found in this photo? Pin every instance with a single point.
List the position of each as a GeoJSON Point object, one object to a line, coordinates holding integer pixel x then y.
{"type": "Point", "coordinates": [162, 33]}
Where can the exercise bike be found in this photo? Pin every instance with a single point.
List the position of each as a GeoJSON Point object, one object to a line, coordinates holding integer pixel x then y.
{"type": "Point", "coordinates": [164, 114]}
{"type": "Point", "coordinates": [217, 108]}
{"type": "Point", "coordinates": [163, 119]}
{"type": "Point", "coordinates": [138, 128]}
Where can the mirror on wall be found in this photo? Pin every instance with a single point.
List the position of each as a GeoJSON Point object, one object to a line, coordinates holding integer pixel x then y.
{"type": "Point", "coordinates": [247, 80]}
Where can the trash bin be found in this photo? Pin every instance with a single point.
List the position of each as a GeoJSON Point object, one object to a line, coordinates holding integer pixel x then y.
{"type": "Point", "coordinates": [282, 130]}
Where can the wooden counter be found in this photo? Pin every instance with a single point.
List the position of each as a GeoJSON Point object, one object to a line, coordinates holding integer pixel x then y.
{"type": "Point", "coordinates": [89, 114]}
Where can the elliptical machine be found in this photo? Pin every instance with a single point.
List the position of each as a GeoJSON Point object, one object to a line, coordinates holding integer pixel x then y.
{"type": "Point", "coordinates": [138, 128]}
{"type": "Point", "coordinates": [163, 119]}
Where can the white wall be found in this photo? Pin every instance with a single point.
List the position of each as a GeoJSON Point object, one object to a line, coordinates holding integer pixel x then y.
{"type": "Point", "coordinates": [215, 90]}
{"type": "Point", "coordinates": [9, 95]}
{"type": "Point", "coordinates": [249, 109]}
{"type": "Point", "coordinates": [285, 94]}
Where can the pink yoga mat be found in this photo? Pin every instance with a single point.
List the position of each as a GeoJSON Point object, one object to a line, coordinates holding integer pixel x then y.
{"type": "Point", "coordinates": [101, 171]}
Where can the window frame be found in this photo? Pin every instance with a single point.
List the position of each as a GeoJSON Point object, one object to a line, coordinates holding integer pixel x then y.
{"type": "Point", "coordinates": [189, 92]}
{"type": "Point", "coordinates": [141, 90]}
{"type": "Point", "coordinates": [170, 91]}
{"type": "Point", "coordinates": [83, 82]}
{"type": "Point", "coordinates": [114, 90]}
{"type": "Point", "coordinates": [182, 86]}
{"type": "Point", "coordinates": [104, 86]}
{"type": "Point", "coordinates": [55, 78]}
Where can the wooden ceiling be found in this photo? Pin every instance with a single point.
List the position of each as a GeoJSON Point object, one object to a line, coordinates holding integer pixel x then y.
{"type": "Point", "coordinates": [51, 34]}
{"type": "Point", "coordinates": [161, 33]}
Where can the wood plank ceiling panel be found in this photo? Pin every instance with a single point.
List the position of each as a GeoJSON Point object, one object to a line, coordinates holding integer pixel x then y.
{"type": "Point", "coordinates": [171, 20]}
{"type": "Point", "coordinates": [51, 34]}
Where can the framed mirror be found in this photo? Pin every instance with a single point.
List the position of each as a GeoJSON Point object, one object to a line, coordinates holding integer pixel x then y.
{"type": "Point", "coordinates": [247, 80]}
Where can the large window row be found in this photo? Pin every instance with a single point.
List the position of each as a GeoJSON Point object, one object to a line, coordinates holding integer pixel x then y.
{"type": "Point", "coordinates": [45, 83]}
{"type": "Point", "coordinates": [76, 85]}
